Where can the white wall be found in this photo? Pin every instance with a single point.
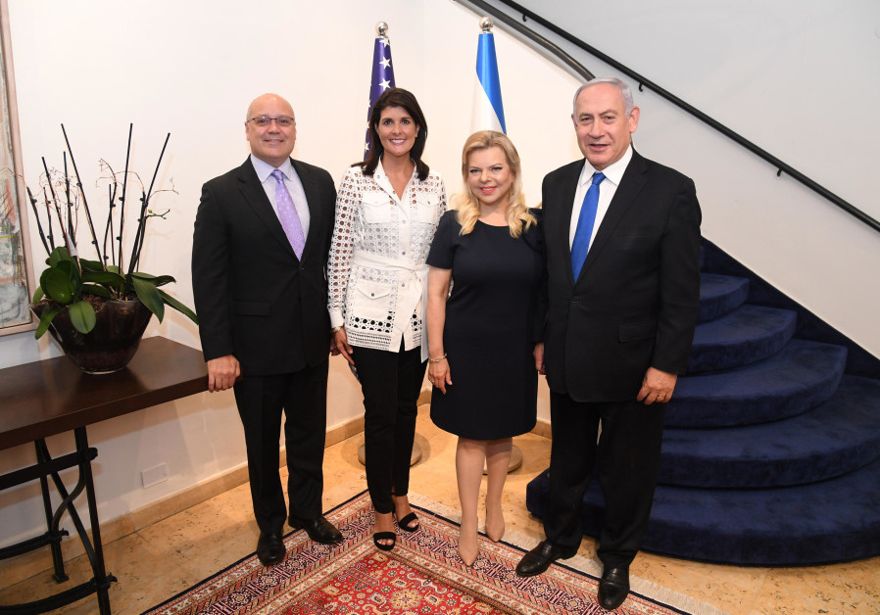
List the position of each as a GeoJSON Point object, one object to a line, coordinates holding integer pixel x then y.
{"type": "Point", "coordinates": [192, 67]}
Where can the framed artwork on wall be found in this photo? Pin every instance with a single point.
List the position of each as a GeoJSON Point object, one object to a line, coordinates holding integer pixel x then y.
{"type": "Point", "coordinates": [16, 279]}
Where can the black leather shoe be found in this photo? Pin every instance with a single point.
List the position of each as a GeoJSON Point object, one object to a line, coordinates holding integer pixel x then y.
{"type": "Point", "coordinates": [613, 587]}
{"type": "Point", "coordinates": [270, 548]}
{"type": "Point", "coordinates": [319, 530]}
{"type": "Point", "coordinates": [539, 559]}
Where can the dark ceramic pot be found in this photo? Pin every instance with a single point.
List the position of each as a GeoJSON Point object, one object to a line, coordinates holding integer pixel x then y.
{"type": "Point", "coordinates": [108, 347]}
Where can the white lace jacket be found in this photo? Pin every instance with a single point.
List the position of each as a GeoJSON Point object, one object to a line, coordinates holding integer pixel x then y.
{"type": "Point", "coordinates": [377, 272]}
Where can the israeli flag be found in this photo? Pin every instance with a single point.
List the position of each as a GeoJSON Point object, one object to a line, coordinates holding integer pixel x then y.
{"type": "Point", "coordinates": [488, 111]}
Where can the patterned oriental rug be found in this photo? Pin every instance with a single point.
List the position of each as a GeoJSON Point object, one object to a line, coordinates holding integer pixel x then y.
{"type": "Point", "coordinates": [422, 575]}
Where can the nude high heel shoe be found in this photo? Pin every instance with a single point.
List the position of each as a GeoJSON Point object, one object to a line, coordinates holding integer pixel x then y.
{"type": "Point", "coordinates": [468, 546]}
{"type": "Point", "coordinates": [495, 525]}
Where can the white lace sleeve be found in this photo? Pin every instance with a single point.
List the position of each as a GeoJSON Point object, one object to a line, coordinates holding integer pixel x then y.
{"type": "Point", "coordinates": [342, 245]}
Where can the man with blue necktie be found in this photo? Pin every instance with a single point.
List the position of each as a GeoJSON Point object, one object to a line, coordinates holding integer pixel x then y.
{"type": "Point", "coordinates": [622, 235]}
{"type": "Point", "coordinates": [260, 247]}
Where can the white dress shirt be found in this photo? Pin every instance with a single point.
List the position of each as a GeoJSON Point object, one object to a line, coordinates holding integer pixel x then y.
{"type": "Point", "coordinates": [294, 188]}
{"type": "Point", "coordinates": [613, 174]}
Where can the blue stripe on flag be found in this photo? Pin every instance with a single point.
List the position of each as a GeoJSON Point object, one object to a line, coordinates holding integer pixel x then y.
{"type": "Point", "coordinates": [487, 73]}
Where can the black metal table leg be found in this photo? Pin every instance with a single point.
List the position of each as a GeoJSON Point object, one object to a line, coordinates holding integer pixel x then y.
{"type": "Point", "coordinates": [100, 574]}
{"type": "Point", "coordinates": [51, 528]}
{"type": "Point", "coordinates": [45, 468]}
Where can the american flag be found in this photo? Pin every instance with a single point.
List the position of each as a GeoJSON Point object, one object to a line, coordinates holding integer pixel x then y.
{"type": "Point", "coordinates": [383, 73]}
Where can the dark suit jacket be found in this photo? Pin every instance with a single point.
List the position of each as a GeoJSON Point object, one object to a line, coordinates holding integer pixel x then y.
{"type": "Point", "coordinates": [254, 298]}
{"type": "Point", "coordinates": [635, 303]}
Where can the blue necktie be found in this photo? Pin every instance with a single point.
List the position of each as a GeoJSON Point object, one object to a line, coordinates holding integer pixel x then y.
{"type": "Point", "coordinates": [581, 244]}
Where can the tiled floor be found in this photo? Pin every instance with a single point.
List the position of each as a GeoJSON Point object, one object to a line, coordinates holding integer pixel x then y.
{"type": "Point", "coordinates": [171, 555]}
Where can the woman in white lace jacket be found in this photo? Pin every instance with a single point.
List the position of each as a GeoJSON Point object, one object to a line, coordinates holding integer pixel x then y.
{"type": "Point", "coordinates": [387, 210]}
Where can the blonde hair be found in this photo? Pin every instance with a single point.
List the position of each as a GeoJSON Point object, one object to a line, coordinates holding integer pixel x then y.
{"type": "Point", "coordinates": [466, 204]}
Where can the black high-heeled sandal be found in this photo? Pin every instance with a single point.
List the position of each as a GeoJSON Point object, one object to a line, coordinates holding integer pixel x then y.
{"type": "Point", "coordinates": [406, 523]}
{"type": "Point", "coordinates": [377, 536]}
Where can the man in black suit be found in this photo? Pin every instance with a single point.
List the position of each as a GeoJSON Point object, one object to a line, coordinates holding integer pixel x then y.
{"type": "Point", "coordinates": [622, 236]}
{"type": "Point", "coordinates": [260, 246]}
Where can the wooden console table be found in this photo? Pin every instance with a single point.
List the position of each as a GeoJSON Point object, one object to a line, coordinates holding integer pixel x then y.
{"type": "Point", "coordinates": [41, 399]}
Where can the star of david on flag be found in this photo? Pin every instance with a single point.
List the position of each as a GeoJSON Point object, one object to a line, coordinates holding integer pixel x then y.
{"type": "Point", "coordinates": [383, 74]}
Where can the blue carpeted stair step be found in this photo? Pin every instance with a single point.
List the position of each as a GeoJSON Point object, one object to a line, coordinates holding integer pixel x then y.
{"type": "Point", "coordinates": [831, 521]}
{"type": "Point", "coordinates": [796, 379]}
{"type": "Point", "coordinates": [721, 294]}
{"type": "Point", "coordinates": [748, 334]}
{"type": "Point", "coordinates": [837, 437]}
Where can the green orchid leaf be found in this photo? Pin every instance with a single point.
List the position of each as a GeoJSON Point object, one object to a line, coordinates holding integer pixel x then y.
{"type": "Point", "coordinates": [97, 290]}
{"type": "Point", "coordinates": [180, 307]}
{"type": "Point", "coordinates": [72, 271]}
{"type": "Point", "coordinates": [149, 295]}
{"type": "Point", "coordinates": [58, 254]}
{"type": "Point", "coordinates": [88, 265]}
{"type": "Point", "coordinates": [82, 316]}
{"type": "Point", "coordinates": [38, 294]}
{"type": "Point", "coordinates": [46, 319]}
{"type": "Point", "coordinates": [57, 285]}
{"type": "Point", "coordinates": [160, 280]}
{"type": "Point", "coordinates": [106, 278]}
{"type": "Point", "coordinates": [113, 268]}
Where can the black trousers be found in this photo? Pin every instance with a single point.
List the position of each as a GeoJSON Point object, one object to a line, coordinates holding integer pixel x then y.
{"type": "Point", "coordinates": [626, 457]}
{"type": "Point", "coordinates": [391, 382]}
{"type": "Point", "coordinates": [302, 396]}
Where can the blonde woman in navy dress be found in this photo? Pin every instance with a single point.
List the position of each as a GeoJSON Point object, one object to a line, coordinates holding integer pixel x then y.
{"type": "Point", "coordinates": [482, 336]}
{"type": "Point", "coordinates": [387, 210]}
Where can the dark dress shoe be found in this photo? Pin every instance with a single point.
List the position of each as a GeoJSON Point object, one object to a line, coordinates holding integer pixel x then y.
{"type": "Point", "coordinates": [270, 548]}
{"type": "Point", "coordinates": [538, 560]}
{"type": "Point", "coordinates": [613, 587]}
{"type": "Point", "coordinates": [319, 530]}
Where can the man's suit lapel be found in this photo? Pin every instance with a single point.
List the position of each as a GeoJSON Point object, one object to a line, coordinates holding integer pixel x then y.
{"type": "Point", "coordinates": [312, 192]}
{"type": "Point", "coordinates": [631, 184]}
{"type": "Point", "coordinates": [256, 198]}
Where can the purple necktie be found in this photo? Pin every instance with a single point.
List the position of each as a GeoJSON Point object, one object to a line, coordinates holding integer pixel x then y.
{"type": "Point", "coordinates": [287, 215]}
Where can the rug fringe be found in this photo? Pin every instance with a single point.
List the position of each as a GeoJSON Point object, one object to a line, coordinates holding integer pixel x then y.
{"type": "Point", "coordinates": [587, 565]}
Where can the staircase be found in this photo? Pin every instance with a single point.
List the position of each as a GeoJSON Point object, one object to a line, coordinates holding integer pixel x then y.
{"type": "Point", "coordinates": [771, 453]}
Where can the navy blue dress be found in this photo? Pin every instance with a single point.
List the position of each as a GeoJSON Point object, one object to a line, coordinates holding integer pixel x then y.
{"type": "Point", "coordinates": [493, 317]}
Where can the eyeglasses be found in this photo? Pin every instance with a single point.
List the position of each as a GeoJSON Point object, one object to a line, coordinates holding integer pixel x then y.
{"type": "Point", "coordinates": [283, 121]}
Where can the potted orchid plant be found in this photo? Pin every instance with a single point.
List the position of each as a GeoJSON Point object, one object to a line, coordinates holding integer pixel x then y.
{"type": "Point", "coordinates": [97, 308]}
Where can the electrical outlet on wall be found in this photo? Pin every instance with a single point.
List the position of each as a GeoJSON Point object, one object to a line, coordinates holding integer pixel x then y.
{"type": "Point", "coordinates": [155, 475]}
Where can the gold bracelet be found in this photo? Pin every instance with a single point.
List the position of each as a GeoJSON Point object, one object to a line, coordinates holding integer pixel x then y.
{"type": "Point", "coordinates": [438, 359]}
